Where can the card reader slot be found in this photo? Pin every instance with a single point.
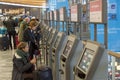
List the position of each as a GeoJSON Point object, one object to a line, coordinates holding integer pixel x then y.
{"type": "Point", "coordinates": [53, 50]}
{"type": "Point", "coordinates": [63, 59]}
{"type": "Point", "coordinates": [81, 75]}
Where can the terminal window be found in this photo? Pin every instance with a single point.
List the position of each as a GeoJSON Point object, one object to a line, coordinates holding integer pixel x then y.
{"type": "Point", "coordinates": [86, 60]}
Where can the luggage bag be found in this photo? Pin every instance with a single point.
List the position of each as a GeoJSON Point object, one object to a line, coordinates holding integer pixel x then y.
{"type": "Point", "coordinates": [4, 43]}
{"type": "Point", "coordinates": [16, 40]}
{"type": "Point", "coordinates": [43, 74]}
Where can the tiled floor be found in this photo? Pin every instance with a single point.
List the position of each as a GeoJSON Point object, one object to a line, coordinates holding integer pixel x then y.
{"type": "Point", "coordinates": [6, 64]}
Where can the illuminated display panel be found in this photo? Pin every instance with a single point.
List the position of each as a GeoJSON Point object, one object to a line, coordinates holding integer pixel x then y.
{"type": "Point", "coordinates": [86, 60]}
{"type": "Point", "coordinates": [57, 42]}
{"type": "Point", "coordinates": [68, 48]}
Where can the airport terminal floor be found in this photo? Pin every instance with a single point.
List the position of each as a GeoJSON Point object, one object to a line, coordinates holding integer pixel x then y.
{"type": "Point", "coordinates": [6, 64]}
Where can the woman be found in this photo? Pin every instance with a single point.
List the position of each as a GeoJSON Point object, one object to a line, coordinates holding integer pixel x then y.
{"type": "Point", "coordinates": [22, 67]}
{"type": "Point", "coordinates": [29, 37]}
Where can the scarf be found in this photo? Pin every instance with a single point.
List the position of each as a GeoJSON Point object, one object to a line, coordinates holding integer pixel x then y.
{"type": "Point", "coordinates": [23, 55]}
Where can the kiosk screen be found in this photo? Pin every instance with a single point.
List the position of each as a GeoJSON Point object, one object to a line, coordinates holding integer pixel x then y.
{"type": "Point", "coordinates": [86, 60]}
{"type": "Point", "coordinates": [50, 37]}
{"type": "Point", "coordinates": [68, 47]}
{"type": "Point", "coordinates": [57, 41]}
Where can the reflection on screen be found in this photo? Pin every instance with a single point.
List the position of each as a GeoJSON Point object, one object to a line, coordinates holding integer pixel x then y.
{"type": "Point", "coordinates": [57, 42]}
{"type": "Point", "coordinates": [86, 60]}
{"type": "Point", "coordinates": [68, 47]}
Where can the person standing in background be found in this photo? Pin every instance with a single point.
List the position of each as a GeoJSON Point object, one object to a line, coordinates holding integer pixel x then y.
{"type": "Point", "coordinates": [10, 25]}
{"type": "Point", "coordinates": [23, 26]}
{"type": "Point", "coordinates": [29, 37]}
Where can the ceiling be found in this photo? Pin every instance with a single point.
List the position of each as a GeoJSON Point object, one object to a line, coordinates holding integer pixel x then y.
{"type": "Point", "coordinates": [27, 2]}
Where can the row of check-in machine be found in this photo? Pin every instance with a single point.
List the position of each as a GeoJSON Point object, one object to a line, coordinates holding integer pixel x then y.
{"type": "Point", "coordinates": [73, 59]}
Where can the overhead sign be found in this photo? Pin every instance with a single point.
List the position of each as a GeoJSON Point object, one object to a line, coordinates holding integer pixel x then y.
{"type": "Point", "coordinates": [14, 11]}
{"type": "Point", "coordinates": [62, 14]}
{"type": "Point", "coordinates": [98, 11]}
{"type": "Point", "coordinates": [75, 13]}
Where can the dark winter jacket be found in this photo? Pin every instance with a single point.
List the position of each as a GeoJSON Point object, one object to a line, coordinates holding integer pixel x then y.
{"type": "Point", "coordinates": [29, 37]}
{"type": "Point", "coordinates": [10, 25]}
{"type": "Point", "coordinates": [21, 65]}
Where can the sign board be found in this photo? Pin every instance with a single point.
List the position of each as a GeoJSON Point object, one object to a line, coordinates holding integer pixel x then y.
{"type": "Point", "coordinates": [62, 14]}
{"type": "Point", "coordinates": [56, 15]}
{"type": "Point", "coordinates": [98, 11]}
{"type": "Point", "coordinates": [51, 15]}
{"type": "Point", "coordinates": [14, 11]}
{"type": "Point", "coordinates": [75, 13]}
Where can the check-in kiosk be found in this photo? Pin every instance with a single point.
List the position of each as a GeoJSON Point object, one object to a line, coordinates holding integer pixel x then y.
{"type": "Point", "coordinates": [57, 50]}
{"type": "Point", "coordinates": [69, 57]}
{"type": "Point", "coordinates": [43, 31]}
{"type": "Point", "coordinates": [93, 63]}
{"type": "Point", "coordinates": [52, 36]}
{"type": "Point", "coordinates": [50, 43]}
{"type": "Point", "coordinates": [46, 34]}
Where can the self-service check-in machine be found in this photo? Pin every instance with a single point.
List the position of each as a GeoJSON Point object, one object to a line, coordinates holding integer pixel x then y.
{"type": "Point", "coordinates": [93, 63]}
{"type": "Point", "coordinates": [46, 34]}
{"type": "Point", "coordinates": [57, 50]}
{"type": "Point", "coordinates": [51, 41]}
{"type": "Point", "coordinates": [69, 57]}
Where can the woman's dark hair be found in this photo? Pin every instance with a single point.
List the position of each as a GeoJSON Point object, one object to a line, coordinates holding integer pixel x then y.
{"type": "Point", "coordinates": [22, 45]}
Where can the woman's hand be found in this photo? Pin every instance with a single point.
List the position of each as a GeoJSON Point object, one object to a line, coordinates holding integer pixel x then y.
{"type": "Point", "coordinates": [33, 61]}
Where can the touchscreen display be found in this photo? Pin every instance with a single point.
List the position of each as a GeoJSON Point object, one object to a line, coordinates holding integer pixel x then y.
{"type": "Point", "coordinates": [68, 48]}
{"type": "Point", "coordinates": [57, 42]}
{"type": "Point", "coordinates": [86, 60]}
